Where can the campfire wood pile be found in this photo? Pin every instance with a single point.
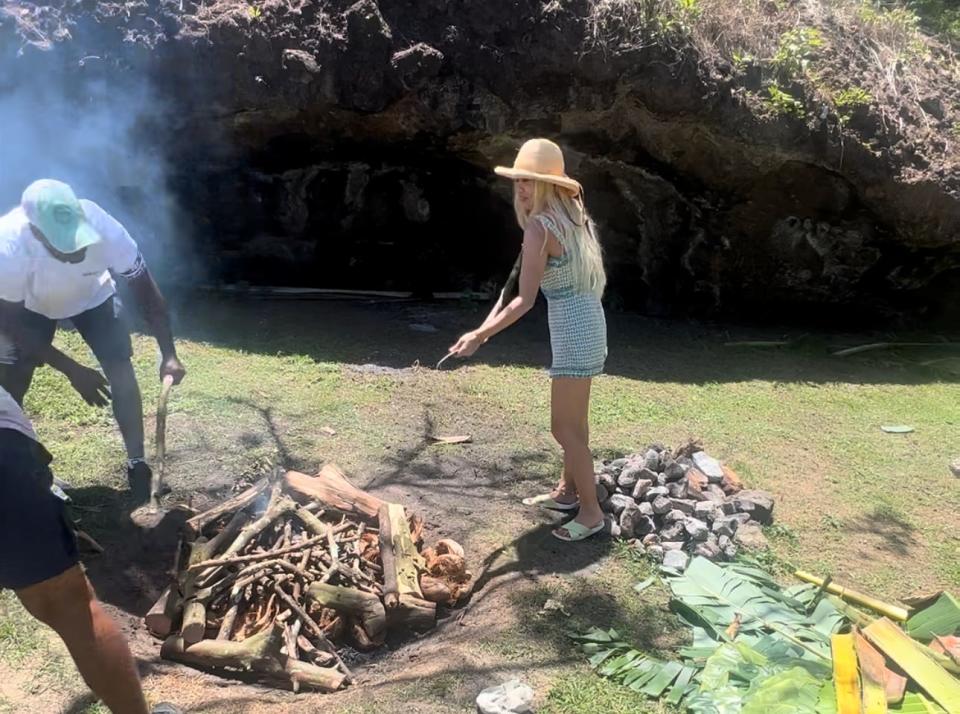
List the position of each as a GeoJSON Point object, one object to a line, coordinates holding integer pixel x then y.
{"type": "Point", "coordinates": [679, 502]}
{"type": "Point", "coordinates": [280, 580]}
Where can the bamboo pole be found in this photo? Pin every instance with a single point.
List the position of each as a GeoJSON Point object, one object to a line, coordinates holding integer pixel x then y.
{"type": "Point", "coordinates": [894, 612]}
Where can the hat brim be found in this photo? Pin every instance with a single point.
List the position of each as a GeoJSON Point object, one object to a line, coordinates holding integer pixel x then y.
{"type": "Point", "coordinates": [562, 181]}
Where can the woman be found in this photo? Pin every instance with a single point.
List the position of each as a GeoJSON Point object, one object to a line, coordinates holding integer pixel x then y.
{"type": "Point", "coordinates": [562, 257]}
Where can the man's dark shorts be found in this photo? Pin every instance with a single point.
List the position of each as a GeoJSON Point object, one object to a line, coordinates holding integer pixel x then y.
{"type": "Point", "coordinates": [102, 328]}
{"type": "Point", "coordinates": [36, 543]}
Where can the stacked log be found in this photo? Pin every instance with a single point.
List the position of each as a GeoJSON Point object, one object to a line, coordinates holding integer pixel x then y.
{"type": "Point", "coordinates": [280, 580]}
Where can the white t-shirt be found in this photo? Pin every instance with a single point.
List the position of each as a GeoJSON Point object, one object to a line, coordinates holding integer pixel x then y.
{"type": "Point", "coordinates": [58, 290]}
{"type": "Point", "coordinates": [12, 416]}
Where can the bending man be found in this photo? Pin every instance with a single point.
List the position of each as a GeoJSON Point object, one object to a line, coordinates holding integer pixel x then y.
{"type": "Point", "coordinates": [59, 258]}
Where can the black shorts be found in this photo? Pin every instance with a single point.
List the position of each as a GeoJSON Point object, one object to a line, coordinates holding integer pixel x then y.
{"type": "Point", "coordinates": [36, 542]}
{"type": "Point", "coordinates": [102, 328]}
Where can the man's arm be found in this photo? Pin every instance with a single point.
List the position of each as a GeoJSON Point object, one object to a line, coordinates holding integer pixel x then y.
{"type": "Point", "coordinates": [154, 310]}
{"type": "Point", "coordinates": [90, 384]}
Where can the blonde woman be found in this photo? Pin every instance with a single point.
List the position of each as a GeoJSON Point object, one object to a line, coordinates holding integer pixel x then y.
{"type": "Point", "coordinates": [561, 256]}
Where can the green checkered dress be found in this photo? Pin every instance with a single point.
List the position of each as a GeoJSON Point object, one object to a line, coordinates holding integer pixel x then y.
{"type": "Point", "coordinates": [578, 328]}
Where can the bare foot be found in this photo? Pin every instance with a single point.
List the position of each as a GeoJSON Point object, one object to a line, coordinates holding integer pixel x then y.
{"type": "Point", "coordinates": [564, 494]}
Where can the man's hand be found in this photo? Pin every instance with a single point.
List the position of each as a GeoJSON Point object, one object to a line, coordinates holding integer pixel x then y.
{"type": "Point", "coordinates": [90, 384]}
{"type": "Point", "coordinates": [173, 367]}
{"type": "Point", "coordinates": [468, 343]}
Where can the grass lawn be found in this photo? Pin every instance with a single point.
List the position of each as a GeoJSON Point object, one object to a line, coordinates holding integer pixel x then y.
{"type": "Point", "coordinates": [876, 510]}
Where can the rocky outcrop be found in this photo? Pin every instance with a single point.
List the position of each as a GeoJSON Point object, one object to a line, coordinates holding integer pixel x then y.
{"type": "Point", "coordinates": [349, 144]}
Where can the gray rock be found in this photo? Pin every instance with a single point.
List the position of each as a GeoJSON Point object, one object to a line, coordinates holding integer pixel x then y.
{"type": "Point", "coordinates": [955, 467]}
{"type": "Point", "coordinates": [655, 553]}
{"type": "Point", "coordinates": [677, 489]}
{"type": "Point", "coordinates": [651, 539]}
{"type": "Point", "coordinates": [728, 507]}
{"type": "Point", "coordinates": [759, 504]}
{"type": "Point", "coordinates": [608, 481]}
{"type": "Point", "coordinates": [674, 516]}
{"type": "Point", "coordinates": [629, 518]}
{"type": "Point", "coordinates": [511, 697]}
{"type": "Point", "coordinates": [629, 476]}
{"type": "Point", "coordinates": [646, 474]}
{"type": "Point", "coordinates": [672, 545]}
{"type": "Point", "coordinates": [661, 504]}
{"type": "Point", "coordinates": [646, 508]}
{"type": "Point", "coordinates": [676, 559]}
{"type": "Point", "coordinates": [640, 490]}
{"type": "Point", "coordinates": [674, 471]}
{"type": "Point", "coordinates": [616, 503]}
{"type": "Point", "coordinates": [727, 525]}
{"type": "Point", "coordinates": [714, 493]}
{"type": "Point", "coordinates": [615, 467]}
{"type": "Point", "coordinates": [610, 526]}
{"type": "Point", "coordinates": [697, 529]}
{"type": "Point", "coordinates": [724, 542]}
{"type": "Point", "coordinates": [708, 550]}
{"type": "Point", "coordinates": [731, 552]}
{"type": "Point", "coordinates": [685, 505]}
{"type": "Point", "coordinates": [655, 491]}
{"type": "Point", "coordinates": [651, 459]}
{"type": "Point", "coordinates": [674, 531]}
{"type": "Point", "coordinates": [750, 536]}
{"type": "Point", "coordinates": [658, 447]}
{"type": "Point", "coordinates": [602, 493]}
{"type": "Point", "coordinates": [661, 480]}
{"type": "Point", "coordinates": [706, 511]}
{"type": "Point", "coordinates": [710, 467]}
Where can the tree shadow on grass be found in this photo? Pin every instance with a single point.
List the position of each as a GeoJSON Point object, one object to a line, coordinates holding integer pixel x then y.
{"type": "Point", "coordinates": [891, 532]}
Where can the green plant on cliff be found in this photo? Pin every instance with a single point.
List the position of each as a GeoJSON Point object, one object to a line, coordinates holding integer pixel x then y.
{"type": "Point", "coordinates": [783, 103]}
{"type": "Point", "coordinates": [797, 49]}
{"type": "Point", "coordinates": [847, 100]}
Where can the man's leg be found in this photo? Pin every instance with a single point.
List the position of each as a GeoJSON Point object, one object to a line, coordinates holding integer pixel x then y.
{"type": "Point", "coordinates": [67, 604]}
{"type": "Point", "coordinates": [43, 570]}
{"type": "Point", "coordinates": [103, 330]}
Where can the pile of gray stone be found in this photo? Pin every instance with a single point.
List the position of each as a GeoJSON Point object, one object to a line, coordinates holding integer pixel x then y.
{"type": "Point", "coordinates": [672, 504]}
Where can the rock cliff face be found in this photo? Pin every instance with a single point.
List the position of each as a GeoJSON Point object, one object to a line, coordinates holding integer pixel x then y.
{"type": "Point", "coordinates": [349, 144]}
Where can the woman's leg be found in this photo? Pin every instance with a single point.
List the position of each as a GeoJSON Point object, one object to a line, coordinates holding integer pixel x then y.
{"type": "Point", "coordinates": [570, 403]}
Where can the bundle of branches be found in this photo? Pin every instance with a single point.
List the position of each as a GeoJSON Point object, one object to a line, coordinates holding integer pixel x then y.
{"type": "Point", "coordinates": [278, 580]}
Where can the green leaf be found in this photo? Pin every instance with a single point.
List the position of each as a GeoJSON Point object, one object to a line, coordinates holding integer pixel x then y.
{"type": "Point", "coordinates": [794, 691]}
{"type": "Point", "coordinates": [681, 686]}
{"type": "Point", "coordinates": [663, 679]}
{"type": "Point", "coordinates": [715, 595]}
{"type": "Point", "coordinates": [641, 586]}
{"type": "Point", "coordinates": [719, 665]}
{"type": "Point", "coordinates": [940, 618]}
{"type": "Point", "coordinates": [726, 700]}
{"type": "Point", "coordinates": [827, 701]}
{"type": "Point", "coordinates": [916, 703]}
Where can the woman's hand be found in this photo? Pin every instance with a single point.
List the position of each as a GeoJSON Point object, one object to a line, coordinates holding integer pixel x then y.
{"type": "Point", "coordinates": [468, 343]}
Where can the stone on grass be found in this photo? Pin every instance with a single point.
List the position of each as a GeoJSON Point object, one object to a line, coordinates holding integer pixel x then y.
{"type": "Point", "coordinates": [676, 559]}
{"type": "Point", "coordinates": [651, 459]}
{"type": "Point", "coordinates": [640, 490]}
{"type": "Point", "coordinates": [610, 526]}
{"type": "Point", "coordinates": [511, 697]}
{"type": "Point", "coordinates": [728, 507]}
{"type": "Point", "coordinates": [714, 493]}
{"type": "Point", "coordinates": [707, 550]}
{"type": "Point", "coordinates": [615, 467]}
{"type": "Point", "coordinates": [682, 504]}
{"type": "Point", "coordinates": [759, 504]}
{"type": "Point", "coordinates": [750, 536]}
{"type": "Point", "coordinates": [602, 493]}
{"type": "Point", "coordinates": [677, 489]}
{"type": "Point", "coordinates": [662, 504]}
{"type": "Point", "coordinates": [730, 483]}
{"type": "Point", "coordinates": [706, 511]}
{"type": "Point", "coordinates": [656, 491]}
{"type": "Point", "coordinates": [710, 467]}
{"type": "Point", "coordinates": [674, 471]}
{"type": "Point", "coordinates": [651, 539]}
{"type": "Point", "coordinates": [630, 518]}
{"type": "Point", "coordinates": [646, 474]}
{"type": "Point", "coordinates": [674, 516]}
{"type": "Point", "coordinates": [608, 481]}
{"type": "Point", "coordinates": [655, 553]}
{"type": "Point", "coordinates": [628, 477]}
{"type": "Point", "coordinates": [697, 529]}
{"type": "Point", "coordinates": [646, 508]}
{"type": "Point", "coordinates": [726, 526]}
{"type": "Point", "coordinates": [668, 545]}
{"type": "Point", "coordinates": [696, 482]}
{"type": "Point", "coordinates": [955, 467]}
{"type": "Point", "coordinates": [616, 503]}
{"type": "Point", "coordinates": [674, 531]}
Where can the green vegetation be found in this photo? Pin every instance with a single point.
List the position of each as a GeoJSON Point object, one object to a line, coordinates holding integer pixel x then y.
{"type": "Point", "coordinates": [796, 51]}
{"type": "Point", "coordinates": [784, 103]}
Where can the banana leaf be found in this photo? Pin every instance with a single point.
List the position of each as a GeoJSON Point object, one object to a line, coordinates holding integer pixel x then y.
{"type": "Point", "coordinates": [940, 618]}
{"type": "Point", "coordinates": [793, 691]}
{"type": "Point", "coordinates": [915, 703]}
{"type": "Point", "coordinates": [712, 596]}
{"type": "Point", "coordinates": [827, 702]}
{"type": "Point", "coordinates": [726, 700]}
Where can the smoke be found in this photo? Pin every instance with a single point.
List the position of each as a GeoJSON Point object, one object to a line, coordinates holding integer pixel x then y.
{"type": "Point", "coordinates": [103, 137]}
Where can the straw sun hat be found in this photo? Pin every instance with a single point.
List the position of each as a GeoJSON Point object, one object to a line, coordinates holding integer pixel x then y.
{"type": "Point", "coordinates": [540, 160]}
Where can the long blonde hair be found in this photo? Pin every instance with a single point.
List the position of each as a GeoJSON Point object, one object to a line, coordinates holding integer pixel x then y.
{"type": "Point", "coordinates": [578, 233]}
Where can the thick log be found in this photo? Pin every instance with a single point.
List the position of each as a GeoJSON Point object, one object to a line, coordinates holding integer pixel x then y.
{"type": "Point", "coordinates": [324, 679]}
{"type": "Point", "coordinates": [260, 652]}
{"type": "Point", "coordinates": [229, 618]}
{"type": "Point", "coordinates": [365, 607]}
{"type": "Point", "coordinates": [314, 628]}
{"type": "Point", "coordinates": [332, 488]}
{"type": "Point", "coordinates": [161, 618]}
{"type": "Point", "coordinates": [194, 526]}
{"type": "Point", "coordinates": [399, 556]}
{"type": "Point", "coordinates": [194, 622]}
{"type": "Point", "coordinates": [413, 613]}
